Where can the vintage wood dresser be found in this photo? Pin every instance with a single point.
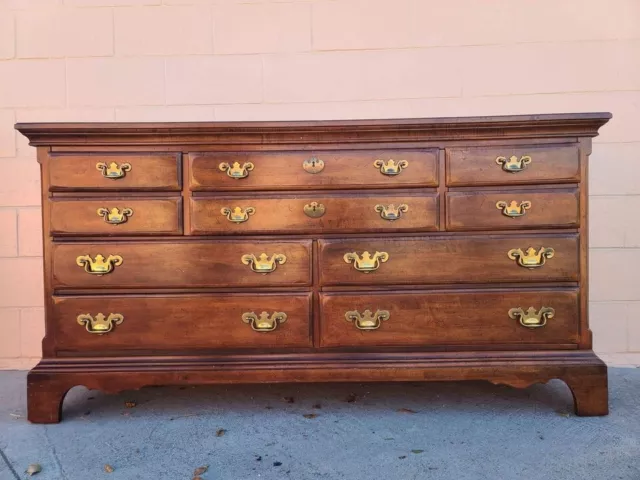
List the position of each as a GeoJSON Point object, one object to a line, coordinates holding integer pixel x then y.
{"type": "Point", "coordinates": [405, 250]}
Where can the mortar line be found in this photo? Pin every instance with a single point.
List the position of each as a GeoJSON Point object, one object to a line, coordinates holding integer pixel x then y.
{"type": "Point", "coordinates": [6, 461]}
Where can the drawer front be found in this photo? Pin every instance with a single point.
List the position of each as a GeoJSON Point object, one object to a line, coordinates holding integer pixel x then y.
{"type": "Point", "coordinates": [333, 169]}
{"type": "Point", "coordinates": [478, 260]}
{"type": "Point", "coordinates": [176, 265]}
{"type": "Point", "coordinates": [297, 214]}
{"type": "Point", "coordinates": [512, 210]}
{"type": "Point", "coordinates": [423, 319]}
{"type": "Point", "coordinates": [512, 165]}
{"type": "Point", "coordinates": [116, 216]}
{"type": "Point", "coordinates": [114, 172]}
{"type": "Point", "coordinates": [153, 323]}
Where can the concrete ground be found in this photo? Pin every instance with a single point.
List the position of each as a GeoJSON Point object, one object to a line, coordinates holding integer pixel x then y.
{"type": "Point", "coordinates": [400, 431]}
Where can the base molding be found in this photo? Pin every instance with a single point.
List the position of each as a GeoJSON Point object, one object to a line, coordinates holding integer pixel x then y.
{"type": "Point", "coordinates": [584, 373]}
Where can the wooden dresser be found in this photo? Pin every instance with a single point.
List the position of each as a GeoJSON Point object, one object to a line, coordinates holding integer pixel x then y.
{"type": "Point", "coordinates": [377, 250]}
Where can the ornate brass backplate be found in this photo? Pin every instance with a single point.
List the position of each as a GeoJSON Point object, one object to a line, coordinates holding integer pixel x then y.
{"type": "Point", "coordinates": [114, 216]}
{"type": "Point", "coordinates": [367, 320]}
{"type": "Point", "coordinates": [264, 322]}
{"type": "Point", "coordinates": [314, 209]}
{"type": "Point", "coordinates": [514, 164]}
{"type": "Point", "coordinates": [113, 170]}
{"type": "Point", "coordinates": [313, 165]}
{"type": "Point", "coordinates": [391, 167]}
{"type": "Point", "coordinates": [366, 262]}
{"type": "Point", "coordinates": [530, 258]}
{"type": "Point", "coordinates": [263, 264]}
{"type": "Point", "coordinates": [513, 209]}
{"type": "Point", "coordinates": [391, 212]}
{"type": "Point", "coordinates": [530, 318]}
{"type": "Point", "coordinates": [100, 324]}
{"type": "Point", "coordinates": [237, 214]}
{"type": "Point", "coordinates": [99, 266]}
{"type": "Point", "coordinates": [236, 170]}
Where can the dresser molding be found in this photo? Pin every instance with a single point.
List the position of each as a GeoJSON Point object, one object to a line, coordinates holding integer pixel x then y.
{"type": "Point", "coordinates": [174, 194]}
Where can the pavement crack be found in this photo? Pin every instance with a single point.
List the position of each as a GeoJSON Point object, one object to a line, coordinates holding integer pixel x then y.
{"type": "Point", "coordinates": [55, 453]}
{"type": "Point", "coordinates": [11, 469]}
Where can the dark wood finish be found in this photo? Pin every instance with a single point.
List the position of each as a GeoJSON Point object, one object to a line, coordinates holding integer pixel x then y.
{"type": "Point", "coordinates": [343, 214]}
{"type": "Point", "coordinates": [342, 169]}
{"type": "Point", "coordinates": [477, 165]}
{"type": "Point", "coordinates": [478, 211]}
{"type": "Point", "coordinates": [435, 260]}
{"type": "Point", "coordinates": [182, 290]}
{"type": "Point", "coordinates": [78, 216]}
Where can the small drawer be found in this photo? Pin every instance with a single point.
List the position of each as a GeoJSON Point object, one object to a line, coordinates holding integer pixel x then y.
{"type": "Point", "coordinates": [116, 216]}
{"type": "Point", "coordinates": [472, 259]}
{"type": "Point", "coordinates": [133, 171]}
{"type": "Point", "coordinates": [181, 264]}
{"type": "Point", "coordinates": [511, 209]}
{"type": "Point", "coordinates": [454, 318]}
{"type": "Point", "coordinates": [322, 169]}
{"type": "Point", "coordinates": [513, 165]}
{"type": "Point", "coordinates": [314, 214]}
{"type": "Point", "coordinates": [149, 324]}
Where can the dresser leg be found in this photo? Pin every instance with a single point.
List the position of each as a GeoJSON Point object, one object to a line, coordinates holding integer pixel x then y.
{"type": "Point", "coordinates": [590, 393]}
{"type": "Point", "coordinates": [44, 399]}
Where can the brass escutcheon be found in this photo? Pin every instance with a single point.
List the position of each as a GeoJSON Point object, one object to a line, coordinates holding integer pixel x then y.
{"type": "Point", "coordinates": [313, 165]}
{"type": "Point", "coordinates": [367, 320]}
{"type": "Point", "coordinates": [513, 209]}
{"type": "Point", "coordinates": [237, 214]}
{"type": "Point", "coordinates": [264, 322]}
{"type": "Point", "coordinates": [235, 170]}
{"type": "Point", "coordinates": [100, 324]}
{"type": "Point", "coordinates": [263, 264]}
{"type": "Point", "coordinates": [391, 167]}
{"type": "Point", "coordinates": [530, 318]}
{"type": "Point", "coordinates": [530, 258]}
{"type": "Point", "coordinates": [114, 216]}
{"type": "Point", "coordinates": [113, 170]}
{"type": "Point", "coordinates": [99, 266]}
{"type": "Point", "coordinates": [367, 262]}
{"type": "Point", "coordinates": [391, 212]}
{"type": "Point", "coordinates": [514, 164]}
{"type": "Point", "coordinates": [314, 209]}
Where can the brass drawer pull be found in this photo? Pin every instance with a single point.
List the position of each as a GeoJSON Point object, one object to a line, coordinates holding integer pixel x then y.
{"type": "Point", "coordinates": [100, 324]}
{"type": "Point", "coordinates": [264, 322]}
{"type": "Point", "coordinates": [235, 170]}
{"type": "Point", "coordinates": [367, 320]}
{"type": "Point", "coordinates": [99, 266]}
{"type": "Point", "coordinates": [314, 209]}
{"type": "Point", "coordinates": [264, 264]}
{"type": "Point", "coordinates": [113, 170]}
{"type": "Point", "coordinates": [313, 165]}
{"type": "Point", "coordinates": [366, 263]}
{"type": "Point", "coordinates": [391, 167]}
{"type": "Point", "coordinates": [237, 214]}
{"type": "Point", "coordinates": [514, 164]}
{"type": "Point", "coordinates": [113, 216]}
{"type": "Point", "coordinates": [530, 258]}
{"type": "Point", "coordinates": [391, 212]}
{"type": "Point", "coordinates": [512, 209]}
{"type": "Point", "coordinates": [530, 318]}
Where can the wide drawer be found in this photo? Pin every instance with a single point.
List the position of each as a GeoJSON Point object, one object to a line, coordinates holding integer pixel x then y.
{"type": "Point", "coordinates": [513, 165]}
{"type": "Point", "coordinates": [471, 259]}
{"type": "Point", "coordinates": [134, 171]}
{"type": "Point", "coordinates": [452, 318]}
{"type": "Point", "coordinates": [182, 264]}
{"type": "Point", "coordinates": [512, 210]}
{"type": "Point", "coordinates": [326, 169]}
{"type": "Point", "coordinates": [305, 214]}
{"type": "Point", "coordinates": [151, 323]}
{"type": "Point", "coordinates": [116, 216]}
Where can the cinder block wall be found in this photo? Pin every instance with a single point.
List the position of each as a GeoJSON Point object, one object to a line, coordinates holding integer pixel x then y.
{"type": "Point", "coordinates": [173, 60]}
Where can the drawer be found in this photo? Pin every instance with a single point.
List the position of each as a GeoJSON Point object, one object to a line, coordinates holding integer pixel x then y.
{"type": "Point", "coordinates": [310, 214]}
{"type": "Point", "coordinates": [134, 171]}
{"type": "Point", "coordinates": [451, 318]}
{"type": "Point", "coordinates": [513, 165]}
{"type": "Point", "coordinates": [182, 264]}
{"type": "Point", "coordinates": [471, 259]}
{"type": "Point", "coordinates": [512, 210]}
{"type": "Point", "coordinates": [116, 216]}
{"type": "Point", "coordinates": [295, 170]}
{"type": "Point", "coordinates": [187, 322]}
